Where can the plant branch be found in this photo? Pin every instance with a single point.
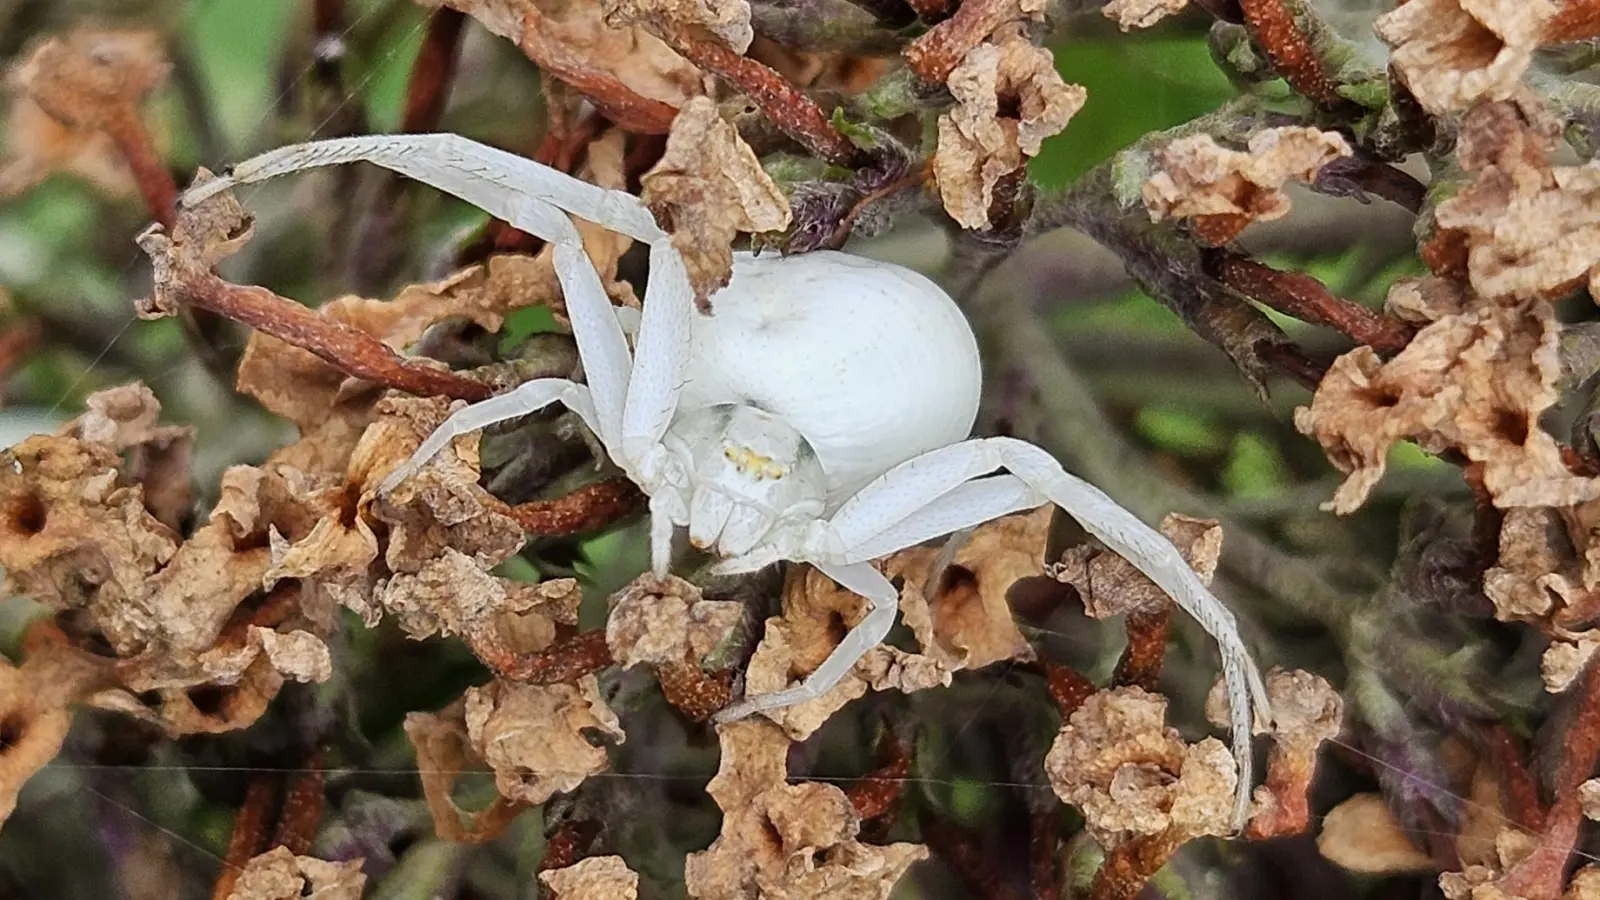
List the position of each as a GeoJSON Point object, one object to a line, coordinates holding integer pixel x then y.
{"type": "Point", "coordinates": [786, 105]}
{"type": "Point", "coordinates": [1273, 25]}
{"type": "Point", "coordinates": [587, 509]}
{"type": "Point", "coordinates": [934, 55]}
{"type": "Point", "coordinates": [1309, 300]}
{"type": "Point", "coordinates": [183, 283]}
{"type": "Point", "coordinates": [615, 100]}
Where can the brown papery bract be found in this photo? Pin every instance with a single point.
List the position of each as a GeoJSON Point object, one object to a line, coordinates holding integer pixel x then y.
{"type": "Point", "coordinates": [1475, 380]}
{"type": "Point", "coordinates": [278, 874]}
{"type": "Point", "coordinates": [629, 73]}
{"type": "Point", "coordinates": [963, 622]}
{"type": "Point", "coordinates": [1009, 99]}
{"type": "Point", "coordinates": [595, 878]}
{"type": "Point", "coordinates": [708, 187]}
{"type": "Point", "coordinates": [1453, 53]}
{"type": "Point", "coordinates": [1220, 191]}
{"type": "Point", "coordinates": [1110, 585]}
{"type": "Point", "coordinates": [1531, 228]}
{"type": "Point", "coordinates": [786, 841]}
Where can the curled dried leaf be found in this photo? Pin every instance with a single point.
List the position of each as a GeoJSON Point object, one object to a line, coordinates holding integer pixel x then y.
{"type": "Point", "coordinates": [785, 841]}
{"type": "Point", "coordinates": [72, 538]}
{"type": "Point", "coordinates": [155, 456]}
{"type": "Point", "coordinates": [594, 878]}
{"type": "Point", "coordinates": [1009, 99]}
{"type": "Point", "coordinates": [1530, 228]}
{"type": "Point", "coordinates": [1454, 53]}
{"type": "Point", "coordinates": [280, 875]}
{"type": "Point", "coordinates": [629, 72]}
{"type": "Point", "coordinates": [1222, 190]}
{"type": "Point", "coordinates": [662, 621]}
{"type": "Point", "coordinates": [728, 20]}
{"type": "Point", "coordinates": [540, 740]}
{"type": "Point", "coordinates": [90, 78]}
{"type": "Point", "coordinates": [440, 507]}
{"type": "Point", "coordinates": [967, 624]}
{"type": "Point", "coordinates": [444, 754]}
{"type": "Point", "coordinates": [1110, 585]}
{"type": "Point", "coordinates": [1130, 14]}
{"type": "Point", "coordinates": [34, 714]}
{"type": "Point", "coordinates": [1132, 776]}
{"type": "Point", "coordinates": [1477, 381]}
{"type": "Point", "coordinates": [1563, 661]}
{"type": "Point", "coordinates": [707, 187]}
{"type": "Point", "coordinates": [1306, 712]}
{"type": "Point", "coordinates": [1362, 835]}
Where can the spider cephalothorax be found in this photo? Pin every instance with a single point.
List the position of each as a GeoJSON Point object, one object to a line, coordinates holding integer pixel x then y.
{"type": "Point", "coordinates": [820, 415]}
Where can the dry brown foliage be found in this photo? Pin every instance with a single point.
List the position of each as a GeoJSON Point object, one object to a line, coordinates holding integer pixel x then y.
{"type": "Point", "coordinates": [738, 133]}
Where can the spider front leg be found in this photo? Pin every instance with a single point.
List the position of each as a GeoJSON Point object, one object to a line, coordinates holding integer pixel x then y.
{"type": "Point", "coordinates": [629, 402]}
{"type": "Point", "coordinates": [883, 601]}
{"type": "Point", "coordinates": [936, 493]}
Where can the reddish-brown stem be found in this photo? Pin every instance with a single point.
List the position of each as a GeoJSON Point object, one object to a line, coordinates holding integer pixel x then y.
{"type": "Point", "coordinates": [301, 814]}
{"type": "Point", "coordinates": [1309, 300]}
{"type": "Point", "coordinates": [588, 508]}
{"type": "Point", "coordinates": [1289, 360]}
{"type": "Point", "coordinates": [1578, 20]}
{"type": "Point", "coordinates": [126, 130]}
{"type": "Point", "coordinates": [1130, 865]}
{"type": "Point", "coordinates": [615, 100]}
{"type": "Point", "coordinates": [693, 691]}
{"type": "Point", "coordinates": [16, 342]}
{"type": "Point", "coordinates": [967, 858]}
{"type": "Point", "coordinates": [934, 55]}
{"type": "Point", "coordinates": [560, 663]}
{"type": "Point", "coordinates": [876, 793]}
{"type": "Point", "coordinates": [786, 105]}
{"type": "Point", "coordinates": [1272, 25]}
{"type": "Point", "coordinates": [930, 10]}
{"type": "Point", "coordinates": [1288, 779]}
{"type": "Point", "coordinates": [1541, 873]}
{"type": "Point", "coordinates": [250, 830]}
{"type": "Point", "coordinates": [345, 347]}
{"type": "Point", "coordinates": [1067, 688]}
{"type": "Point", "coordinates": [1519, 793]}
{"type": "Point", "coordinates": [1140, 665]}
{"type": "Point", "coordinates": [433, 72]}
{"type": "Point", "coordinates": [1044, 845]}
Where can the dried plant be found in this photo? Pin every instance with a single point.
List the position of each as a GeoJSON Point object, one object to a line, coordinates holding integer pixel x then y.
{"type": "Point", "coordinates": [261, 676]}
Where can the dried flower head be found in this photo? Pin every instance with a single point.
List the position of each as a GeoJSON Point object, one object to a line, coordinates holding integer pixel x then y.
{"type": "Point", "coordinates": [707, 187]}
{"type": "Point", "coordinates": [1453, 53]}
{"type": "Point", "coordinates": [1131, 775]}
{"type": "Point", "coordinates": [1221, 190]}
{"type": "Point", "coordinates": [782, 840]}
{"type": "Point", "coordinates": [1530, 228]}
{"type": "Point", "coordinates": [1009, 99]}
{"type": "Point", "coordinates": [1475, 380]}
{"type": "Point", "coordinates": [278, 874]}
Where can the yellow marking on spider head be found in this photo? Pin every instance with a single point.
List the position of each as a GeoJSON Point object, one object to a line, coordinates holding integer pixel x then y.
{"type": "Point", "coordinates": [754, 464]}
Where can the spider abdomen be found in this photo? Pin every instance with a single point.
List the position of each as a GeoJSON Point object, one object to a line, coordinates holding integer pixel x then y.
{"type": "Point", "coordinates": [870, 361]}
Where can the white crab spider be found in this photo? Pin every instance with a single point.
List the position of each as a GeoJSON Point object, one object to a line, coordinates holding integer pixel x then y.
{"type": "Point", "coordinates": [821, 415]}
